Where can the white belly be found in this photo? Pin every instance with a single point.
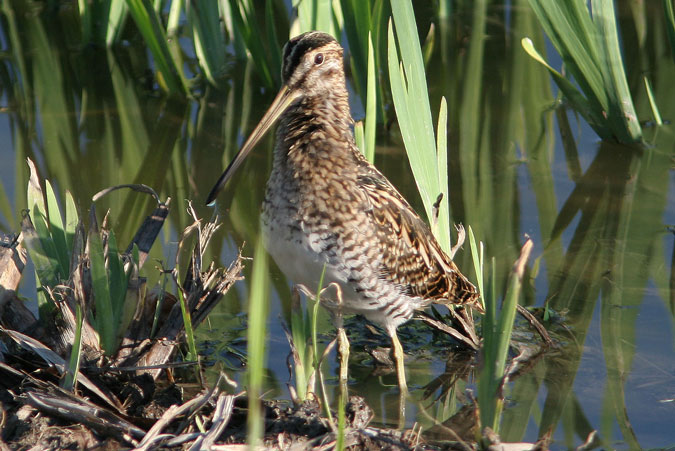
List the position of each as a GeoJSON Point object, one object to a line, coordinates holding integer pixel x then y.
{"type": "Point", "coordinates": [302, 264]}
{"type": "Point", "coordinates": [302, 254]}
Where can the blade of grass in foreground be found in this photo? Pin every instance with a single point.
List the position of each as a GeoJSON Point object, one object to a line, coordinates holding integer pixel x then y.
{"type": "Point", "coordinates": [257, 316]}
{"type": "Point", "coordinates": [104, 320]}
{"type": "Point", "coordinates": [75, 352]}
{"type": "Point", "coordinates": [496, 345]}
{"type": "Point", "coordinates": [187, 322]}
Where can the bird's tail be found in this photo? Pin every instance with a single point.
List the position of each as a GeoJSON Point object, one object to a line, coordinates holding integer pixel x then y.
{"type": "Point", "coordinates": [465, 293]}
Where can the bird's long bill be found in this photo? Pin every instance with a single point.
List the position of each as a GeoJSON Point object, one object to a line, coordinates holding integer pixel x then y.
{"type": "Point", "coordinates": [282, 101]}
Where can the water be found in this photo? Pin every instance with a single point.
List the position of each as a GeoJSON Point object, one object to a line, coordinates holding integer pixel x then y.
{"type": "Point", "coordinates": [598, 213]}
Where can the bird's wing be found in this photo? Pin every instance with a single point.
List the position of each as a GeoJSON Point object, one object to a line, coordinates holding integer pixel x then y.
{"type": "Point", "coordinates": [411, 256]}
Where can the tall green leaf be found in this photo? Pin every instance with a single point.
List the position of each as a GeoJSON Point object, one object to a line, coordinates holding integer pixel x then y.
{"type": "Point", "coordinates": [411, 101]}
{"type": "Point", "coordinates": [256, 335]}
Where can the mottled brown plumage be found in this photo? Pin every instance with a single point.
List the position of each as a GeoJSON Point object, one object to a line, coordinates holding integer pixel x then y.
{"type": "Point", "coordinates": [326, 205]}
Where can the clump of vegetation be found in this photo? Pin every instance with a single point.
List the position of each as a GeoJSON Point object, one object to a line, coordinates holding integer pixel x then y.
{"type": "Point", "coordinates": [589, 47]}
{"type": "Point", "coordinates": [95, 328]}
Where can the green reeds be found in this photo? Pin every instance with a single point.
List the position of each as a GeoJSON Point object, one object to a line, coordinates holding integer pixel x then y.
{"type": "Point", "coordinates": [363, 22]}
{"type": "Point", "coordinates": [589, 47]}
{"type": "Point", "coordinates": [209, 39]}
{"type": "Point", "coordinates": [50, 242]}
{"type": "Point", "coordinates": [104, 319]}
{"type": "Point", "coordinates": [316, 15]}
{"type": "Point", "coordinates": [305, 344]}
{"type": "Point", "coordinates": [427, 154]}
{"type": "Point", "coordinates": [51, 247]}
{"type": "Point", "coordinates": [102, 22]}
{"type": "Point", "coordinates": [308, 354]}
{"type": "Point", "coordinates": [257, 336]}
{"type": "Point", "coordinates": [365, 135]}
{"type": "Point", "coordinates": [265, 54]}
{"type": "Point", "coordinates": [497, 327]}
{"type": "Point", "coordinates": [75, 351]}
{"type": "Point", "coordinates": [151, 28]}
{"type": "Point", "coordinates": [652, 102]}
{"type": "Point", "coordinates": [189, 330]}
{"type": "Point", "coordinates": [302, 348]}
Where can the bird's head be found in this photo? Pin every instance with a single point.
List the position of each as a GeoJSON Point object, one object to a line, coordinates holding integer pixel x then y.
{"type": "Point", "coordinates": [312, 68]}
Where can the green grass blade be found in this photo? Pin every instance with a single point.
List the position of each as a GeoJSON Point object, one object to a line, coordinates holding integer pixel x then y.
{"type": "Point", "coordinates": [134, 297]}
{"type": "Point", "coordinates": [57, 230]}
{"type": "Point", "coordinates": [371, 104]}
{"type": "Point", "coordinates": [117, 18]}
{"type": "Point", "coordinates": [317, 351]}
{"type": "Point", "coordinates": [357, 26]}
{"type": "Point", "coordinates": [477, 257]}
{"type": "Point", "coordinates": [256, 336]}
{"type": "Point", "coordinates": [72, 219]}
{"type": "Point", "coordinates": [471, 121]}
{"type": "Point", "coordinates": [34, 196]}
{"type": "Point", "coordinates": [315, 15]}
{"type": "Point", "coordinates": [411, 56]}
{"type": "Point", "coordinates": [428, 46]}
{"type": "Point", "coordinates": [187, 323]}
{"type": "Point", "coordinates": [245, 25]}
{"type": "Point", "coordinates": [50, 250]}
{"type": "Point", "coordinates": [46, 268]}
{"type": "Point", "coordinates": [508, 312]}
{"type": "Point", "coordinates": [496, 349]}
{"type": "Point", "coordinates": [117, 279]}
{"type": "Point", "coordinates": [209, 39]}
{"type": "Point", "coordinates": [75, 352]}
{"type": "Point", "coordinates": [652, 102]}
{"type": "Point", "coordinates": [571, 31]}
{"type": "Point", "coordinates": [148, 23]}
{"type": "Point", "coordinates": [411, 101]}
{"type": "Point", "coordinates": [315, 316]}
{"type": "Point", "coordinates": [100, 286]}
{"type": "Point", "coordinates": [300, 334]}
{"type": "Point", "coordinates": [359, 137]}
{"type": "Point", "coordinates": [341, 419]}
{"type": "Point", "coordinates": [173, 21]}
{"type": "Point", "coordinates": [86, 19]}
{"type": "Point", "coordinates": [442, 157]}
{"type": "Point", "coordinates": [670, 25]}
{"type": "Point", "coordinates": [272, 40]}
{"type": "Point", "coordinates": [621, 112]}
{"type": "Point", "coordinates": [6, 210]}
{"type": "Point", "coordinates": [574, 96]}
{"type": "Point", "coordinates": [589, 47]}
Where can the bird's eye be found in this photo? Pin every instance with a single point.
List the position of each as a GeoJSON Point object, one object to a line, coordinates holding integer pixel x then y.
{"type": "Point", "coordinates": [318, 59]}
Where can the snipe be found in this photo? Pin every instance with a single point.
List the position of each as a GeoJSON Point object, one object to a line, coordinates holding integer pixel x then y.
{"type": "Point", "coordinates": [326, 205]}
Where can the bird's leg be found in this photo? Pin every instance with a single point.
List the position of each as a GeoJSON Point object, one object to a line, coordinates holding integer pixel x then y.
{"type": "Point", "coordinates": [399, 356]}
{"type": "Point", "coordinates": [342, 341]}
{"type": "Point", "coordinates": [400, 372]}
